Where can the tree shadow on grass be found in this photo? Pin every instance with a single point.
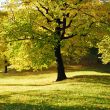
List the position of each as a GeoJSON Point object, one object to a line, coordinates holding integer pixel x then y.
{"type": "Point", "coordinates": [45, 106]}
{"type": "Point", "coordinates": [96, 68]}
{"type": "Point", "coordinates": [50, 70]}
{"type": "Point", "coordinates": [103, 79]}
{"type": "Point", "coordinates": [26, 84]}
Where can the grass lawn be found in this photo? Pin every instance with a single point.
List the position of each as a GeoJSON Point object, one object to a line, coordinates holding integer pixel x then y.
{"type": "Point", "coordinates": [85, 89]}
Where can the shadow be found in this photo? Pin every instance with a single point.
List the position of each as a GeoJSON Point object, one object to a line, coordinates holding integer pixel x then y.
{"type": "Point", "coordinates": [97, 68]}
{"type": "Point", "coordinates": [51, 70]}
{"type": "Point", "coordinates": [13, 72]}
{"type": "Point", "coordinates": [45, 106]}
{"type": "Point", "coordinates": [25, 84]}
{"type": "Point", "coordinates": [104, 79]}
{"type": "Point", "coordinates": [56, 100]}
{"type": "Point", "coordinates": [4, 96]}
{"type": "Point", "coordinates": [70, 68]}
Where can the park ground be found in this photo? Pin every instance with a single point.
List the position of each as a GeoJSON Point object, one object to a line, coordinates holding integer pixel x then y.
{"type": "Point", "coordinates": [85, 89]}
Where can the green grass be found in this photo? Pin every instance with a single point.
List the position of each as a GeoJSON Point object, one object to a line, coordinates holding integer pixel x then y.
{"type": "Point", "coordinates": [85, 89]}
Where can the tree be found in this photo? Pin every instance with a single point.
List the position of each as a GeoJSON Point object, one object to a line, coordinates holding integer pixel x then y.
{"type": "Point", "coordinates": [3, 45]}
{"type": "Point", "coordinates": [58, 21]}
{"type": "Point", "coordinates": [25, 49]}
{"type": "Point", "coordinates": [75, 50]}
{"type": "Point", "coordinates": [104, 49]}
{"type": "Point", "coordinates": [103, 45]}
{"type": "Point", "coordinates": [3, 59]}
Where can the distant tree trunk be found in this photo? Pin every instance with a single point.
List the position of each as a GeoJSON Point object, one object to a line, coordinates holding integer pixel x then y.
{"type": "Point", "coordinates": [60, 67]}
{"type": "Point", "coordinates": [6, 67]}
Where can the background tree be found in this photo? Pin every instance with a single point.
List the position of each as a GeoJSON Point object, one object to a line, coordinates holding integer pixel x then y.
{"type": "Point", "coordinates": [25, 49]}
{"type": "Point", "coordinates": [103, 45]}
{"type": "Point", "coordinates": [3, 44]}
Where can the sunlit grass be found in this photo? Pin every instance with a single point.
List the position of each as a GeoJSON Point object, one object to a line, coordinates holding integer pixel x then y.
{"type": "Point", "coordinates": [84, 90]}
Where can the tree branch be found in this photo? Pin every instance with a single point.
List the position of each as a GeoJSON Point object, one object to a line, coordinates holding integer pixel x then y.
{"type": "Point", "coordinates": [91, 24]}
{"type": "Point", "coordinates": [85, 34]}
{"type": "Point", "coordinates": [75, 15]}
{"type": "Point", "coordinates": [69, 24]}
{"type": "Point", "coordinates": [68, 37]}
{"type": "Point", "coordinates": [48, 20]}
{"type": "Point", "coordinates": [46, 9]}
{"type": "Point", "coordinates": [47, 29]}
{"type": "Point", "coordinates": [88, 14]}
{"type": "Point", "coordinates": [23, 39]}
{"type": "Point", "coordinates": [64, 27]}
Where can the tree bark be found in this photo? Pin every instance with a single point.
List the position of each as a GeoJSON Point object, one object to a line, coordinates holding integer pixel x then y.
{"type": "Point", "coordinates": [60, 67]}
{"type": "Point", "coordinates": [57, 49]}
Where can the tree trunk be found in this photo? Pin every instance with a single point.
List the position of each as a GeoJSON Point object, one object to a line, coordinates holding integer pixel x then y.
{"type": "Point", "coordinates": [60, 67]}
{"type": "Point", "coordinates": [5, 70]}
{"type": "Point", "coordinates": [6, 67]}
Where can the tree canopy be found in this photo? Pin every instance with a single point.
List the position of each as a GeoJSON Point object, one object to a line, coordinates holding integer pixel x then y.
{"type": "Point", "coordinates": [35, 31]}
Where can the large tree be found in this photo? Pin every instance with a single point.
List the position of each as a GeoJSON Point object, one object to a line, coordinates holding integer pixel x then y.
{"type": "Point", "coordinates": [55, 21]}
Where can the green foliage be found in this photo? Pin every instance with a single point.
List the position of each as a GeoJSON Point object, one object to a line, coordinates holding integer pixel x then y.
{"type": "Point", "coordinates": [3, 44]}
{"type": "Point", "coordinates": [29, 55]}
{"type": "Point", "coordinates": [104, 49]}
{"type": "Point", "coordinates": [76, 49]}
{"type": "Point", "coordinates": [28, 47]}
{"type": "Point", "coordinates": [103, 45]}
{"type": "Point", "coordinates": [29, 30]}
